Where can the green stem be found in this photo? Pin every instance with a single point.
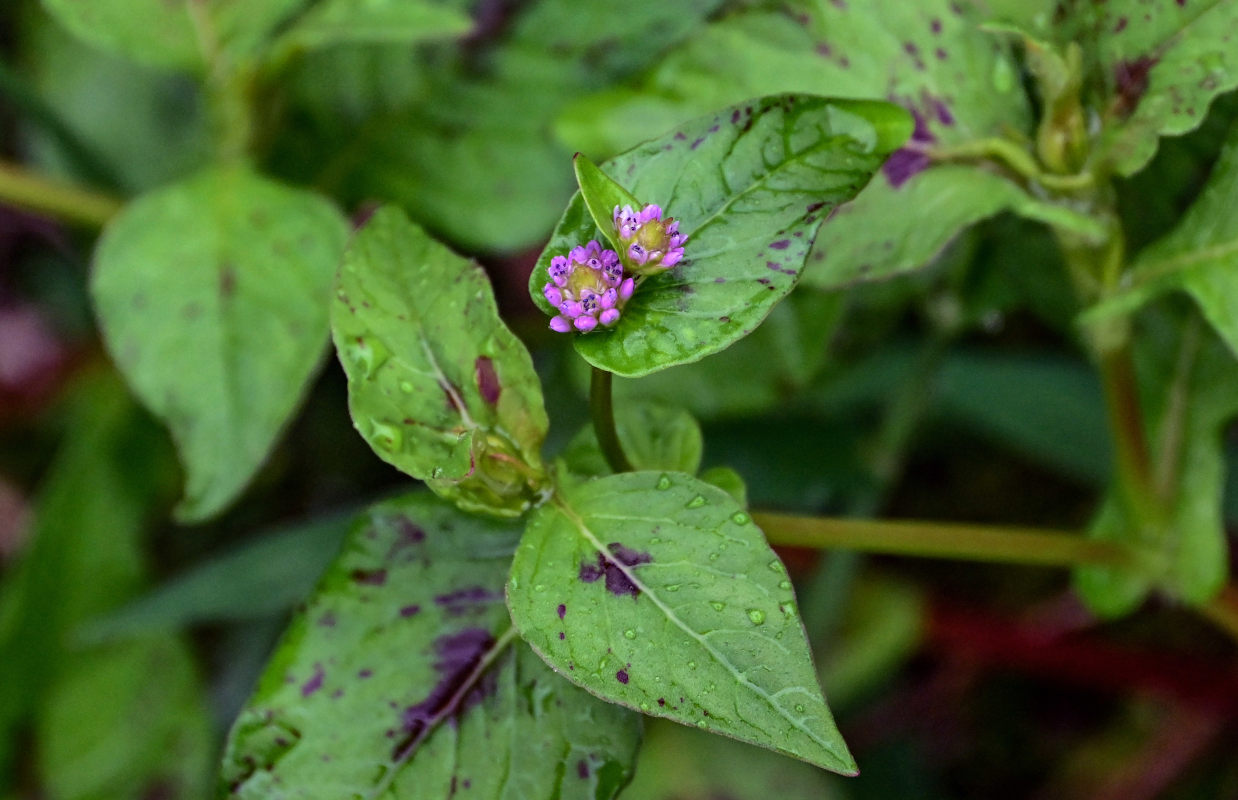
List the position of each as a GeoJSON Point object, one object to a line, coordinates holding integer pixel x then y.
{"type": "Point", "coordinates": [602, 410]}
{"type": "Point", "coordinates": [1016, 158]}
{"type": "Point", "coordinates": [24, 189]}
{"type": "Point", "coordinates": [944, 540]}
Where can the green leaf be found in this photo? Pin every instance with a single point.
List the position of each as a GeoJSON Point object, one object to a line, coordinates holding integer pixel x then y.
{"type": "Point", "coordinates": [437, 384]}
{"type": "Point", "coordinates": [1161, 65]}
{"type": "Point", "coordinates": [402, 678]}
{"type": "Point", "coordinates": [928, 56]}
{"type": "Point", "coordinates": [259, 578]}
{"type": "Point", "coordinates": [653, 436]}
{"type": "Point", "coordinates": [212, 295]}
{"type": "Point", "coordinates": [336, 22]}
{"type": "Point", "coordinates": [1189, 392]}
{"type": "Point", "coordinates": [750, 186]}
{"type": "Point", "coordinates": [602, 196]}
{"type": "Point", "coordinates": [186, 34]}
{"type": "Point", "coordinates": [656, 591]}
{"type": "Point", "coordinates": [1199, 257]}
{"type": "Point", "coordinates": [729, 481]}
{"type": "Point", "coordinates": [127, 721]}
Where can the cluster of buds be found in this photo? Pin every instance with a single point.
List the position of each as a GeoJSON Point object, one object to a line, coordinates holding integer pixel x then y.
{"type": "Point", "coordinates": [590, 285]}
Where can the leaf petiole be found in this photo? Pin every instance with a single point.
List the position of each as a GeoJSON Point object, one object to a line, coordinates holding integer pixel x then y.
{"type": "Point", "coordinates": [601, 408]}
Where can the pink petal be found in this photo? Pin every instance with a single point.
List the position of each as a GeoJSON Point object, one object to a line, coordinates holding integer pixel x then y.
{"type": "Point", "coordinates": [610, 316]}
{"type": "Point", "coordinates": [560, 324]}
{"type": "Point", "coordinates": [553, 295]}
{"type": "Point", "coordinates": [609, 298]}
{"type": "Point", "coordinates": [585, 323]}
{"type": "Point", "coordinates": [626, 288]}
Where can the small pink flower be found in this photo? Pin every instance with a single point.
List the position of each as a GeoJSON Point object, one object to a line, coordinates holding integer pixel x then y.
{"type": "Point", "coordinates": [588, 289]}
{"type": "Point", "coordinates": [649, 243]}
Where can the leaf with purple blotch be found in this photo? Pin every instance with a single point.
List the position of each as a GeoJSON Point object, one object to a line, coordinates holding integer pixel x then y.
{"type": "Point", "coordinates": [750, 187]}
{"type": "Point", "coordinates": [656, 591]}
{"type": "Point", "coordinates": [437, 384]}
{"type": "Point", "coordinates": [402, 677]}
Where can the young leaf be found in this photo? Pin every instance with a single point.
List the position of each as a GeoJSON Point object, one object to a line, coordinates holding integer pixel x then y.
{"type": "Point", "coordinates": [750, 186]}
{"type": "Point", "coordinates": [653, 436]}
{"type": "Point", "coordinates": [371, 21]}
{"type": "Point", "coordinates": [437, 384]}
{"type": "Point", "coordinates": [656, 591]}
{"type": "Point", "coordinates": [602, 196]}
{"type": "Point", "coordinates": [1162, 65]}
{"type": "Point", "coordinates": [172, 33]}
{"type": "Point", "coordinates": [212, 295]}
{"type": "Point", "coordinates": [402, 678]}
{"type": "Point", "coordinates": [929, 56]}
{"type": "Point", "coordinates": [1199, 257]}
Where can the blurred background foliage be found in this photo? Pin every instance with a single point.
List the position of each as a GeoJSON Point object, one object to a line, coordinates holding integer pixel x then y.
{"type": "Point", "coordinates": [128, 642]}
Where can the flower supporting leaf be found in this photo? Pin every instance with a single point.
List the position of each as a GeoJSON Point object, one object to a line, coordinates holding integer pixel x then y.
{"type": "Point", "coordinates": [588, 288]}
{"type": "Point", "coordinates": [649, 243]}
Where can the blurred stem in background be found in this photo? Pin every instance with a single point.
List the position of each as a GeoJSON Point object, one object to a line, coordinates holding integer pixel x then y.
{"type": "Point", "coordinates": [71, 204]}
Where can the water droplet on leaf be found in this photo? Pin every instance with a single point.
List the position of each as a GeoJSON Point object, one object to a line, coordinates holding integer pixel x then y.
{"type": "Point", "coordinates": [756, 616]}
{"type": "Point", "coordinates": [664, 482]}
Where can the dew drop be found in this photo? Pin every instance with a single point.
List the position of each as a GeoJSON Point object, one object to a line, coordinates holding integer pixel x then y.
{"type": "Point", "coordinates": [541, 587]}
{"type": "Point", "coordinates": [672, 587]}
{"type": "Point", "coordinates": [799, 707]}
{"type": "Point", "coordinates": [406, 387]}
{"type": "Point", "coordinates": [756, 616]}
{"type": "Point", "coordinates": [777, 566]}
{"type": "Point", "coordinates": [713, 556]}
{"type": "Point", "coordinates": [700, 723]}
{"type": "Point", "coordinates": [664, 482]}
{"type": "Point", "coordinates": [691, 665]}
{"type": "Point", "coordinates": [718, 606]}
{"type": "Point", "coordinates": [788, 609]}
{"type": "Point", "coordinates": [740, 518]}
{"type": "Point", "coordinates": [644, 706]}
{"type": "Point", "coordinates": [388, 437]}
{"type": "Point", "coordinates": [629, 634]}
{"type": "Point", "coordinates": [697, 501]}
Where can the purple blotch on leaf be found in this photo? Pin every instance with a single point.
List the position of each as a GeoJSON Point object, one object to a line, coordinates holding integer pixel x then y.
{"type": "Point", "coordinates": [370, 577]}
{"type": "Point", "coordinates": [314, 683]}
{"type": "Point", "coordinates": [410, 611]}
{"type": "Point", "coordinates": [781, 244]}
{"type": "Point", "coordinates": [908, 161]}
{"type": "Point", "coordinates": [582, 769]}
{"type": "Point", "coordinates": [327, 620]}
{"type": "Point", "coordinates": [1131, 81]}
{"type": "Point", "coordinates": [562, 610]}
{"type": "Point", "coordinates": [487, 380]}
{"type": "Point", "coordinates": [459, 654]}
{"type": "Point", "coordinates": [622, 676]}
{"type": "Point", "coordinates": [612, 568]}
{"type": "Point", "coordinates": [696, 143]}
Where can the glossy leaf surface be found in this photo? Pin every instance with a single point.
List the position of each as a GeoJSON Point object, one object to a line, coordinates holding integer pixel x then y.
{"type": "Point", "coordinates": [212, 295]}
{"type": "Point", "coordinates": [750, 186]}
{"type": "Point", "coordinates": [401, 678]}
{"type": "Point", "coordinates": [656, 590]}
{"type": "Point", "coordinates": [437, 384]}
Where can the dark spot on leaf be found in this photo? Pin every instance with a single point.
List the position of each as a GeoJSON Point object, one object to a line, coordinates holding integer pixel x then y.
{"type": "Point", "coordinates": [314, 683]}
{"type": "Point", "coordinates": [713, 128]}
{"type": "Point", "coordinates": [327, 620]}
{"type": "Point", "coordinates": [763, 281]}
{"type": "Point", "coordinates": [487, 380]}
{"type": "Point", "coordinates": [724, 319]}
{"type": "Point", "coordinates": [465, 601]}
{"type": "Point", "coordinates": [719, 280]}
{"type": "Point", "coordinates": [1131, 81]}
{"type": "Point", "coordinates": [410, 611]}
{"type": "Point", "coordinates": [696, 144]}
{"type": "Point", "coordinates": [940, 53]}
{"type": "Point", "coordinates": [562, 610]}
{"type": "Point", "coordinates": [679, 136]}
{"type": "Point", "coordinates": [1121, 25]}
{"type": "Point", "coordinates": [562, 635]}
{"type": "Point", "coordinates": [337, 694]}
{"type": "Point", "coordinates": [408, 534]}
{"type": "Point", "coordinates": [908, 161]}
{"type": "Point", "coordinates": [813, 207]}
{"type": "Point", "coordinates": [622, 676]}
{"type": "Point", "coordinates": [735, 116]}
{"type": "Point", "coordinates": [612, 568]}
{"type": "Point", "coordinates": [935, 26]}
{"type": "Point", "coordinates": [370, 577]}
{"type": "Point", "coordinates": [459, 654]}
{"type": "Point", "coordinates": [227, 281]}
{"type": "Point", "coordinates": [661, 701]}
{"type": "Point", "coordinates": [582, 769]}
{"type": "Point", "coordinates": [781, 244]}
{"type": "Point", "coordinates": [365, 673]}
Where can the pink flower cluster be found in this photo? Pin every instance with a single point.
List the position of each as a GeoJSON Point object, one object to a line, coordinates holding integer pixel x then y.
{"type": "Point", "coordinates": [588, 289]}
{"type": "Point", "coordinates": [652, 243]}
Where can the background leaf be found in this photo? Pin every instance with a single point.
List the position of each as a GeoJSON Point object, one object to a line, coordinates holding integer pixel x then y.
{"type": "Point", "coordinates": [750, 186]}
{"type": "Point", "coordinates": [373, 688]}
{"type": "Point", "coordinates": [334, 22]}
{"type": "Point", "coordinates": [656, 591]}
{"type": "Point", "coordinates": [438, 385]}
{"type": "Point", "coordinates": [653, 436]}
{"type": "Point", "coordinates": [212, 296]}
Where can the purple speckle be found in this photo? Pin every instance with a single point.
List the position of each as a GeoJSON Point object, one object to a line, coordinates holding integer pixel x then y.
{"type": "Point", "coordinates": [719, 280]}
{"type": "Point", "coordinates": [365, 673]}
{"type": "Point", "coordinates": [465, 601]}
{"type": "Point", "coordinates": [314, 683]}
{"type": "Point", "coordinates": [612, 567]}
{"type": "Point", "coordinates": [781, 244]}
{"type": "Point", "coordinates": [562, 635]}
{"type": "Point", "coordinates": [661, 701]}
{"type": "Point", "coordinates": [1121, 25]}
{"type": "Point", "coordinates": [823, 49]}
{"type": "Point", "coordinates": [369, 577]}
{"type": "Point", "coordinates": [408, 535]}
{"type": "Point", "coordinates": [582, 769]}
{"type": "Point", "coordinates": [908, 161]}
{"type": "Point", "coordinates": [1131, 79]}
{"type": "Point", "coordinates": [337, 694]}
{"type": "Point", "coordinates": [735, 117]}
{"type": "Point", "coordinates": [696, 144]}
{"type": "Point", "coordinates": [410, 611]}
{"type": "Point", "coordinates": [622, 676]}
{"type": "Point", "coordinates": [487, 380]}
{"type": "Point", "coordinates": [935, 26]}
{"type": "Point", "coordinates": [713, 128]}
{"type": "Point", "coordinates": [940, 53]}
{"type": "Point", "coordinates": [327, 620]}
{"type": "Point", "coordinates": [562, 610]}
{"type": "Point", "coordinates": [943, 112]}
{"type": "Point", "coordinates": [680, 136]}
